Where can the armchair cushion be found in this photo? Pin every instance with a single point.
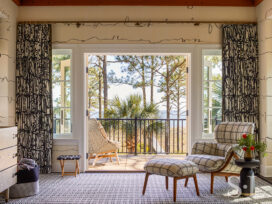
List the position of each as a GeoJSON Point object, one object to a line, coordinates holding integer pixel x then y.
{"type": "Point", "coordinates": [98, 141]}
{"type": "Point", "coordinates": [116, 143]}
{"type": "Point", "coordinates": [231, 132]}
{"type": "Point", "coordinates": [207, 163]}
{"type": "Point", "coordinates": [206, 148]}
{"type": "Point", "coordinates": [211, 148]}
{"type": "Point", "coordinates": [223, 150]}
{"type": "Point", "coordinates": [102, 130]}
{"type": "Point", "coordinates": [232, 168]}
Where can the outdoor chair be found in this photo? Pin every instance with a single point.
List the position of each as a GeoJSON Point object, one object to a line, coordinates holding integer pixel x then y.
{"type": "Point", "coordinates": [99, 145]}
{"type": "Point", "coordinates": [218, 158]}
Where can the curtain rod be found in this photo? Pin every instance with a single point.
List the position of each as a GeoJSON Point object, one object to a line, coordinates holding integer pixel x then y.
{"type": "Point", "coordinates": [139, 22]}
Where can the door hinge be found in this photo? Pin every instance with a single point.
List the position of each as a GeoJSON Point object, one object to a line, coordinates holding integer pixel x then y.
{"type": "Point", "coordinates": [87, 113]}
{"type": "Point", "coordinates": [187, 70]}
{"type": "Point", "coordinates": [87, 155]}
{"type": "Point", "coordinates": [187, 112]}
{"type": "Point", "coordinates": [87, 70]}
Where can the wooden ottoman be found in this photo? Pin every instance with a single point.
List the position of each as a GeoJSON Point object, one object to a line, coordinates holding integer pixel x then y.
{"type": "Point", "coordinates": [178, 169]}
{"type": "Point", "coordinates": [63, 158]}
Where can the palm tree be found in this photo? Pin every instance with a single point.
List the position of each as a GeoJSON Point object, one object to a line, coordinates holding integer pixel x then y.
{"type": "Point", "coordinates": [133, 110]}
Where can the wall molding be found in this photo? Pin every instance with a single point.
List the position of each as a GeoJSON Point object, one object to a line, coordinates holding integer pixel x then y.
{"type": "Point", "coordinates": [248, 3]}
{"type": "Point", "coordinates": [65, 142]}
{"type": "Point", "coordinates": [266, 171]}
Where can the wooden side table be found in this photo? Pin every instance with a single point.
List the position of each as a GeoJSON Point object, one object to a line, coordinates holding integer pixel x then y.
{"type": "Point", "coordinates": [63, 158]}
{"type": "Point", "coordinates": [247, 179]}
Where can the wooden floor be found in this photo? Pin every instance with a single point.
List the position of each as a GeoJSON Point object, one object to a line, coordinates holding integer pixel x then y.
{"type": "Point", "coordinates": [129, 162]}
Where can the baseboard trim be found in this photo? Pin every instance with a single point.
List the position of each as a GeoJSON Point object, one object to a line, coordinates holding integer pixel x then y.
{"type": "Point", "coordinates": [265, 179]}
{"type": "Point", "coordinates": [115, 171]}
{"type": "Point", "coordinates": [67, 167]}
{"type": "Point", "coordinates": [266, 171]}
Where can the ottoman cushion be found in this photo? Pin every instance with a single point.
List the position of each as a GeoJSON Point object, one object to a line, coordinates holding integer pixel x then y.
{"type": "Point", "coordinates": [171, 167]}
{"type": "Point", "coordinates": [68, 157]}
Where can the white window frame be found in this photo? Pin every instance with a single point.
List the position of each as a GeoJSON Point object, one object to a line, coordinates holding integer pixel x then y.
{"type": "Point", "coordinates": [207, 51]}
{"type": "Point", "coordinates": [78, 82]}
{"type": "Point", "coordinates": [68, 51]}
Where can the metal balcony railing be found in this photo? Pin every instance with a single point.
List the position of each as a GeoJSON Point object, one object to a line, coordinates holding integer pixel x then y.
{"type": "Point", "coordinates": [147, 136]}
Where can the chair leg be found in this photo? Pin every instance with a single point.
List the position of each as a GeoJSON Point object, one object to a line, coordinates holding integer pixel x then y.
{"type": "Point", "coordinates": [62, 167]}
{"type": "Point", "coordinates": [95, 159]}
{"type": "Point", "coordinates": [166, 182]}
{"type": "Point", "coordinates": [212, 180]}
{"type": "Point", "coordinates": [76, 170]}
{"type": "Point", "coordinates": [145, 182]}
{"type": "Point", "coordinates": [196, 185]}
{"type": "Point", "coordinates": [227, 179]}
{"type": "Point", "coordinates": [175, 189]}
{"type": "Point", "coordinates": [117, 158]}
{"type": "Point", "coordinates": [78, 166]}
{"type": "Point", "coordinates": [7, 195]}
{"type": "Point", "coordinates": [186, 181]}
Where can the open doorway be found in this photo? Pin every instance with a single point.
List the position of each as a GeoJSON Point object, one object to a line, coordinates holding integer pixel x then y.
{"type": "Point", "coordinates": [141, 102]}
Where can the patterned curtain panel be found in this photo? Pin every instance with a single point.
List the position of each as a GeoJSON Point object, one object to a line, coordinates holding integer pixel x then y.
{"type": "Point", "coordinates": [34, 113]}
{"type": "Point", "coordinates": [240, 74]}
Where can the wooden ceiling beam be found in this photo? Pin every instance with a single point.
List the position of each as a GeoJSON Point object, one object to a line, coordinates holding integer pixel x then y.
{"type": "Point", "coordinates": [17, 2]}
{"type": "Point", "coordinates": [257, 2]}
{"type": "Point", "coordinates": [246, 3]}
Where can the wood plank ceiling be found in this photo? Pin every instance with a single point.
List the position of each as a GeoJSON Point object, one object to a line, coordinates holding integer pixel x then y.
{"type": "Point", "coordinates": [246, 3]}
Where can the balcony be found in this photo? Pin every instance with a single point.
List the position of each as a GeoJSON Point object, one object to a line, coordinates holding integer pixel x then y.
{"type": "Point", "coordinates": [142, 140]}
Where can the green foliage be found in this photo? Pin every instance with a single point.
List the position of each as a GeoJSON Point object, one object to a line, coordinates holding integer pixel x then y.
{"type": "Point", "coordinates": [248, 141]}
{"type": "Point", "coordinates": [137, 68]}
{"type": "Point", "coordinates": [131, 108]}
{"type": "Point", "coordinates": [94, 75]}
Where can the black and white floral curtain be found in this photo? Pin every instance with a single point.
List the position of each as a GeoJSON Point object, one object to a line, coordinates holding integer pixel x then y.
{"type": "Point", "coordinates": [240, 74]}
{"type": "Point", "coordinates": [34, 114]}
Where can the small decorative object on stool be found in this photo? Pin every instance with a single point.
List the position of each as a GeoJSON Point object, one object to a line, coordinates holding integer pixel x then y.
{"type": "Point", "coordinates": [178, 169]}
{"type": "Point", "coordinates": [27, 179]}
{"type": "Point", "coordinates": [63, 158]}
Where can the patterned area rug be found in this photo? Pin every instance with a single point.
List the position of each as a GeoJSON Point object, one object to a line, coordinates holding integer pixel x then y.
{"type": "Point", "coordinates": [127, 188]}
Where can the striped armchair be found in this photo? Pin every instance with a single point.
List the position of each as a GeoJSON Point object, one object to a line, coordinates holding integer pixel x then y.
{"type": "Point", "coordinates": [218, 158]}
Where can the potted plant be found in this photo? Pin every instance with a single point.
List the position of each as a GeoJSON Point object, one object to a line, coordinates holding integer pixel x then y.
{"type": "Point", "coordinates": [250, 146]}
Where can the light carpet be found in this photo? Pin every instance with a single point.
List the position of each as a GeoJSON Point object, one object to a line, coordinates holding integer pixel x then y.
{"type": "Point", "coordinates": [121, 188]}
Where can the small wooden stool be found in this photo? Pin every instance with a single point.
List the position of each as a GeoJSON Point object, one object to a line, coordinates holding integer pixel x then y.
{"type": "Point", "coordinates": [63, 158]}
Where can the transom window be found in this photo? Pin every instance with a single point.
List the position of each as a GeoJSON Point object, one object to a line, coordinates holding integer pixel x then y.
{"type": "Point", "coordinates": [212, 91]}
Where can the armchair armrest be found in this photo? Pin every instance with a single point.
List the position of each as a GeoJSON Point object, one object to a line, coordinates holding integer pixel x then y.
{"type": "Point", "coordinates": [207, 148]}
{"type": "Point", "coordinates": [226, 150]}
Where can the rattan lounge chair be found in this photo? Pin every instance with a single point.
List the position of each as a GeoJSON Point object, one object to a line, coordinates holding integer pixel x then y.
{"type": "Point", "coordinates": [99, 145]}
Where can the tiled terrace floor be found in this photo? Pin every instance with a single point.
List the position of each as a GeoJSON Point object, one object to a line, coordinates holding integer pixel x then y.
{"type": "Point", "coordinates": [129, 162]}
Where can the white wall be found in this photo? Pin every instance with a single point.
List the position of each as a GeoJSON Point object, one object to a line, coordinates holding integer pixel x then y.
{"type": "Point", "coordinates": [65, 33]}
{"type": "Point", "coordinates": [264, 12]}
{"type": "Point", "coordinates": [7, 62]}
{"type": "Point", "coordinates": [130, 34]}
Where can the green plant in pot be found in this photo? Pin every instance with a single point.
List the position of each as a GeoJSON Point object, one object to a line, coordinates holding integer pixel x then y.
{"type": "Point", "coordinates": [250, 146]}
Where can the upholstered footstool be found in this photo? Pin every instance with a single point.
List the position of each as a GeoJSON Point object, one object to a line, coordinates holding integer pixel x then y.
{"type": "Point", "coordinates": [178, 169]}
